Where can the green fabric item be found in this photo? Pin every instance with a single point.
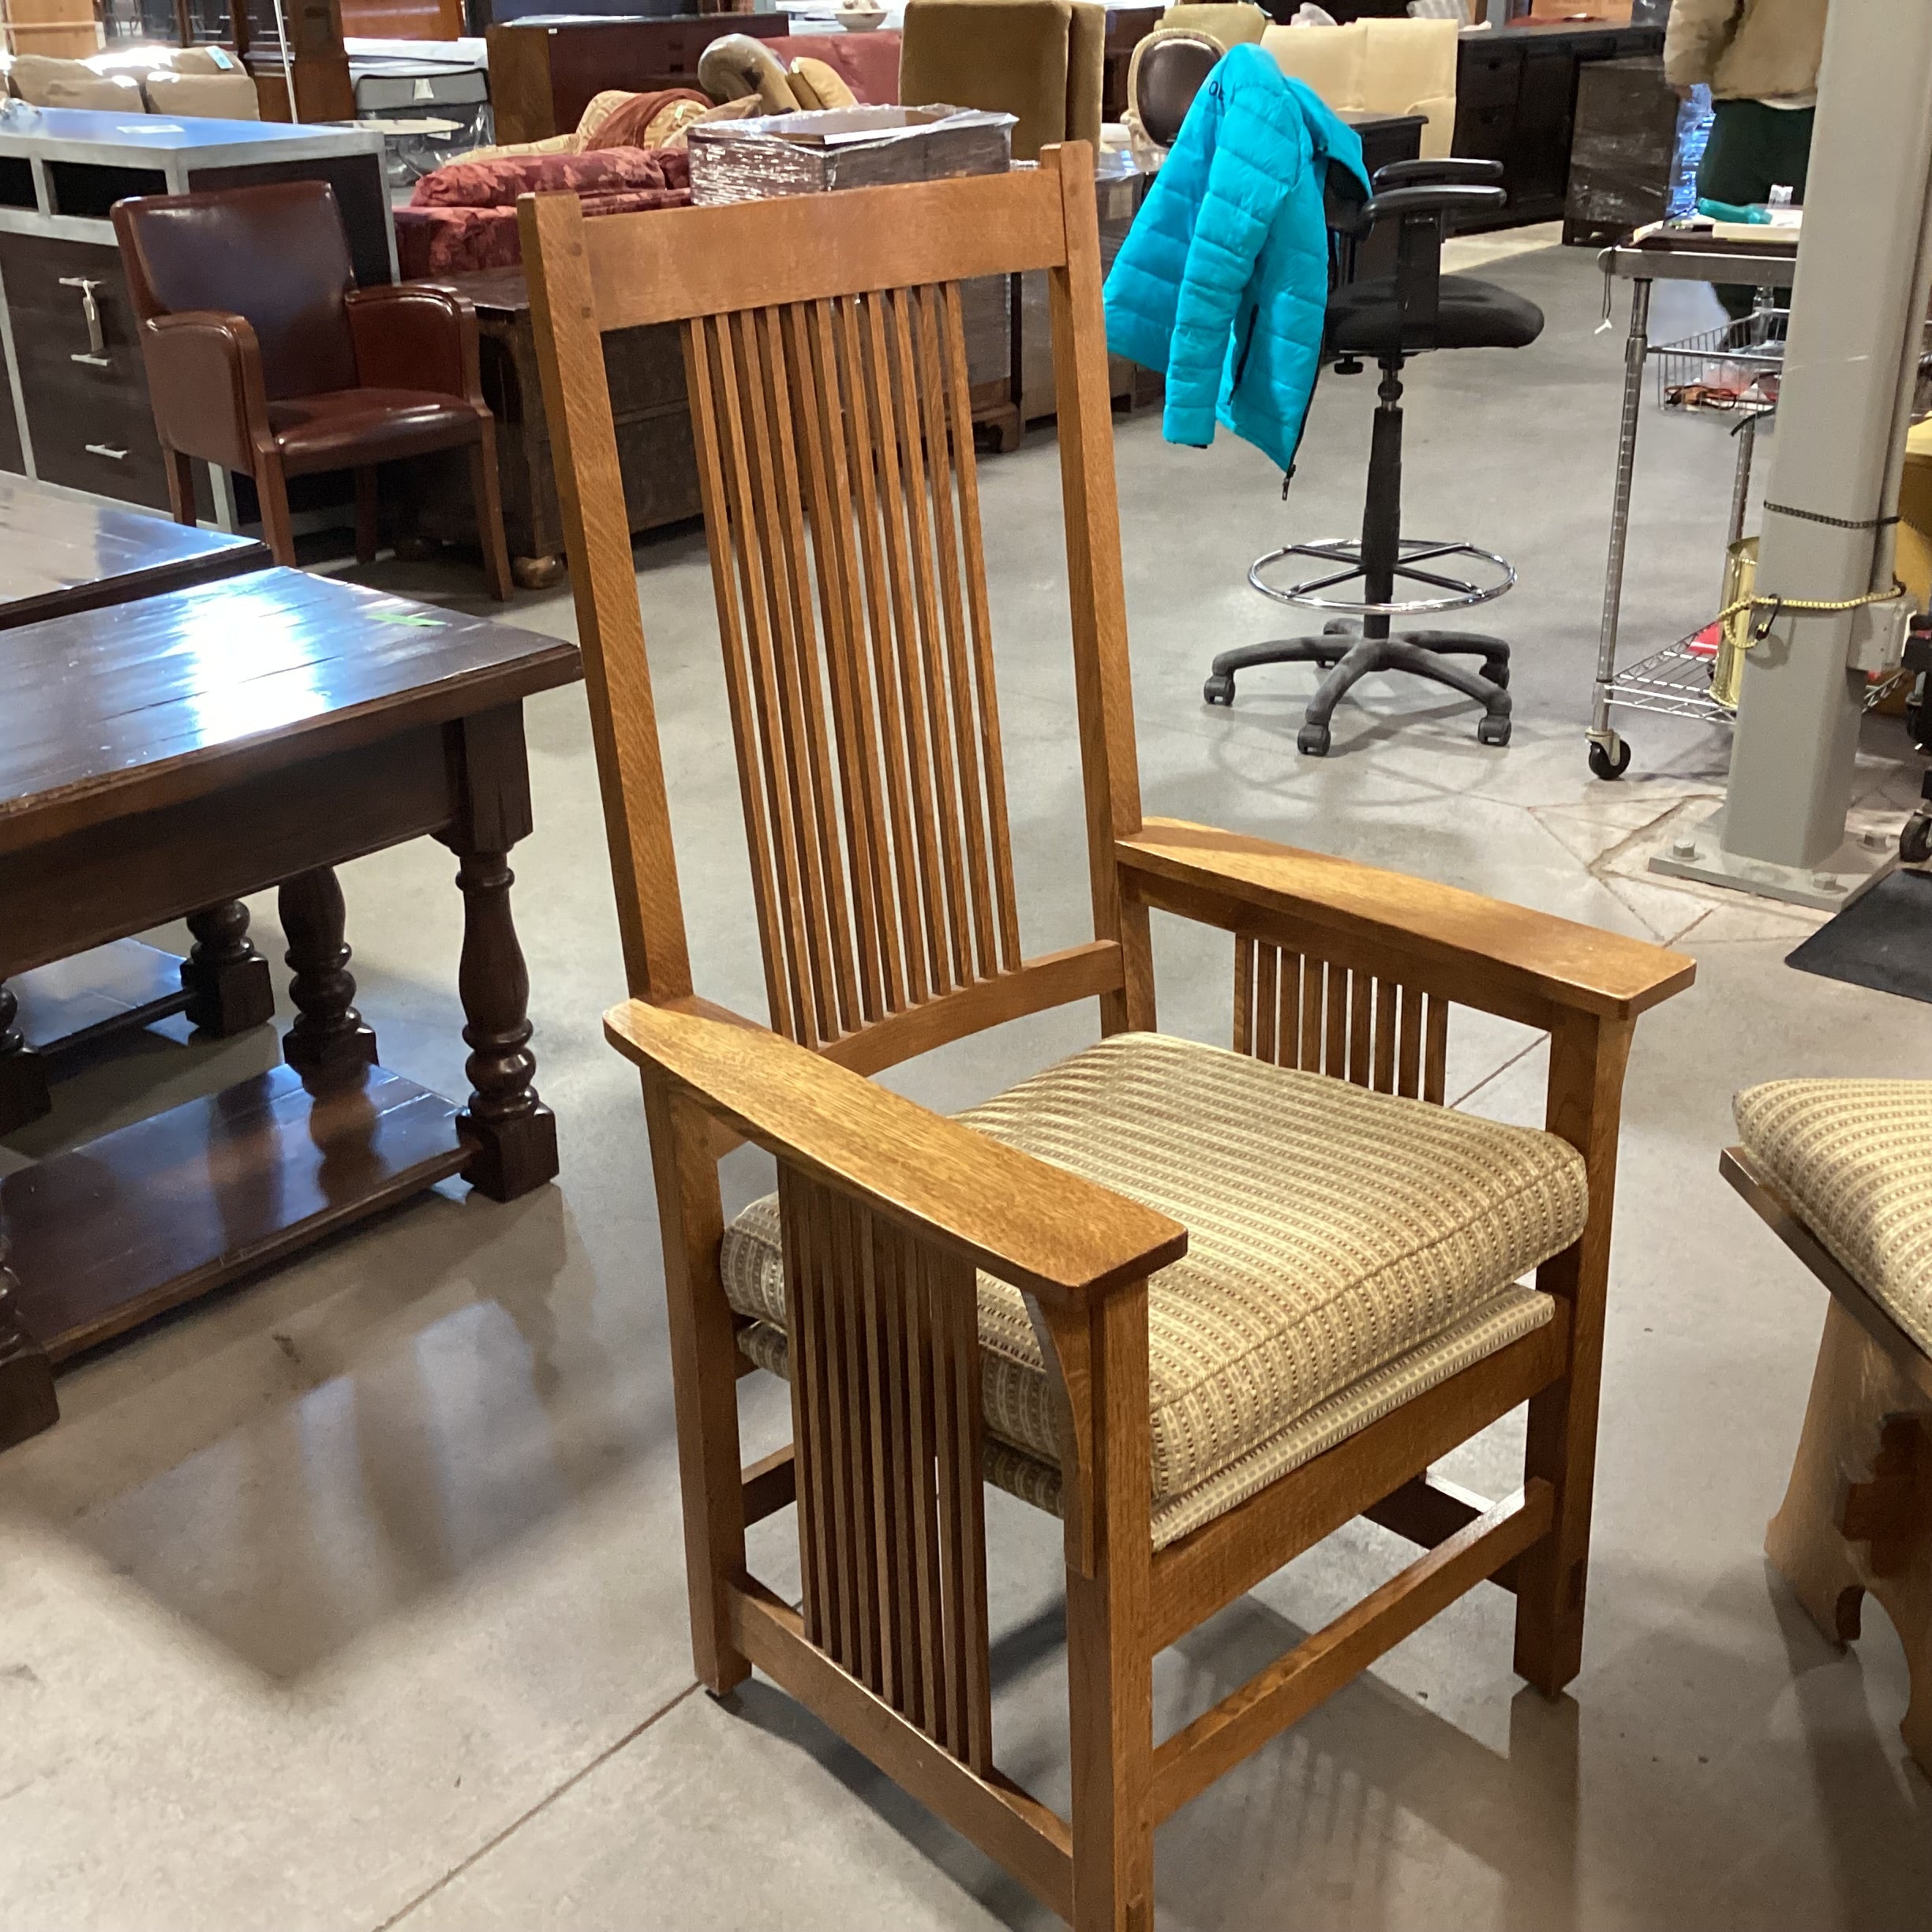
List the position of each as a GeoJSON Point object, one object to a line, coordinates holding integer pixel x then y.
{"type": "Point", "coordinates": [1753, 149]}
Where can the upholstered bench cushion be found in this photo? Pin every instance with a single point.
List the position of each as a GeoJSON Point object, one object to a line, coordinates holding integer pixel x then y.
{"type": "Point", "coordinates": [1331, 1232]}
{"type": "Point", "coordinates": [1855, 1155]}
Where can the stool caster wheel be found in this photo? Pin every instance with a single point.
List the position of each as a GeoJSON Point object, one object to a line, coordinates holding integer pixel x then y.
{"type": "Point", "coordinates": [1327, 664]}
{"type": "Point", "coordinates": [1342, 627]}
{"type": "Point", "coordinates": [1607, 763]}
{"type": "Point", "coordinates": [1915, 840]}
{"type": "Point", "coordinates": [1313, 741]}
{"type": "Point", "coordinates": [1497, 673]}
{"type": "Point", "coordinates": [1493, 730]}
{"type": "Point", "coordinates": [1219, 689]}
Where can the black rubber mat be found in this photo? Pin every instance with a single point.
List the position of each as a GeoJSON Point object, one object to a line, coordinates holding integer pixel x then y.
{"type": "Point", "coordinates": [1883, 940]}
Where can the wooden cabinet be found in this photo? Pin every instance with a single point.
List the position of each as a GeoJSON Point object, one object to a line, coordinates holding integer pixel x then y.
{"type": "Point", "coordinates": [74, 407]}
{"type": "Point", "coordinates": [1516, 91]}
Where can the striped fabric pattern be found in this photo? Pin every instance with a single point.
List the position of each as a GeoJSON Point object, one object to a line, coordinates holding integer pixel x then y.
{"type": "Point", "coordinates": [1856, 1156]}
{"type": "Point", "coordinates": [1331, 1232]}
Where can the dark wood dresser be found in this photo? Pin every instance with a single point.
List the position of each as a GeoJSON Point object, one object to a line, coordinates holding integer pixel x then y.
{"type": "Point", "coordinates": [1516, 92]}
{"type": "Point", "coordinates": [74, 410]}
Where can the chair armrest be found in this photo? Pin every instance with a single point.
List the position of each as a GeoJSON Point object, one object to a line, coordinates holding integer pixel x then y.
{"type": "Point", "coordinates": [1484, 953]}
{"type": "Point", "coordinates": [1446, 198]}
{"type": "Point", "coordinates": [1463, 168]}
{"type": "Point", "coordinates": [204, 380]}
{"type": "Point", "coordinates": [409, 336]}
{"type": "Point", "coordinates": [1046, 1231]}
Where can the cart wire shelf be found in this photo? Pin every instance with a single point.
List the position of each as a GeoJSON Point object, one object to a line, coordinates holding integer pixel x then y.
{"type": "Point", "coordinates": [1719, 370]}
{"type": "Point", "coordinates": [1675, 682]}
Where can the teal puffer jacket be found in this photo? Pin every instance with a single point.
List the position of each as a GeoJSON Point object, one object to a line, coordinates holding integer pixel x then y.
{"type": "Point", "coordinates": [1222, 282]}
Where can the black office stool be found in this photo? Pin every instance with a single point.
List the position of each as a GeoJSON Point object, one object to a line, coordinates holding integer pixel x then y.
{"type": "Point", "coordinates": [1391, 318]}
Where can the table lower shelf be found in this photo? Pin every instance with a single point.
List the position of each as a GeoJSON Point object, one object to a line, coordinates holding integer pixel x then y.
{"type": "Point", "coordinates": [103, 990]}
{"type": "Point", "coordinates": [109, 1234]}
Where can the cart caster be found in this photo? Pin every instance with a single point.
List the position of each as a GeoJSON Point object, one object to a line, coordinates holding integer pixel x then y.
{"type": "Point", "coordinates": [1606, 763]}
{"type": "Point", "coordinates": [1313, 741]}
{"type": "Point", "coordinates": [1915, 840]}
{"type": "Point", "coordinates": [1219, 689]}
{"type": "Point", "coordinates": [1493, 730]}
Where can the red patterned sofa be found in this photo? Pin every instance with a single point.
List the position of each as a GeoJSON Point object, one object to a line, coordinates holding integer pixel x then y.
{"type": "Point", "coordinates": [464, 216]}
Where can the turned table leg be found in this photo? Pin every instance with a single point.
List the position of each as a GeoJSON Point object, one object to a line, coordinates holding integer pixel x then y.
{"type": "Point", "coordinates": [515, 1133]}
{"type": "Point", "coordinates": [23, 1073]}
{"type": "Point", "coordinates": [26, 1403]}
{"type": "Point", "coordinates": [228, 982]}
{"type": "Point", "coordinates": [328, 1037]}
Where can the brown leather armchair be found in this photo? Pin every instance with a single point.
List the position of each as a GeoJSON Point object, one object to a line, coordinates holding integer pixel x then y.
{"type": "Point", "coordinates": [263, 356]}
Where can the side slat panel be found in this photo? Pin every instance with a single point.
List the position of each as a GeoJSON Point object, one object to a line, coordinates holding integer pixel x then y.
{"type": "Point", "coordinates": [1296, 1009]}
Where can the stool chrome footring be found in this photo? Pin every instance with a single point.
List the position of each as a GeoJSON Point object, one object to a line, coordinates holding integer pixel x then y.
{"type": "Point", "coordinates": [1458, 593]}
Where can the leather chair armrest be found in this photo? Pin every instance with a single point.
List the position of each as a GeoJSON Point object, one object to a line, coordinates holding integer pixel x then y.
{"type": "Point", "coordinates": [409, 335]}
{"type": "Point", "coordinates": [204, 380]}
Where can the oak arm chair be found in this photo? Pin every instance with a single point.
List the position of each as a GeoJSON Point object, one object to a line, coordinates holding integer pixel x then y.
{"type": "Point", "coordinates": [827, 374]}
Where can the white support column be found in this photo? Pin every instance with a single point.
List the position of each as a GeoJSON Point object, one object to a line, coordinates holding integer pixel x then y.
{"type": "Point", "coordinates": [1857, 311]}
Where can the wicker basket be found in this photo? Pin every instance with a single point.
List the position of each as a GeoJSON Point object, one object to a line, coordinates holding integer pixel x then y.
{"type": "Point", "coordinates": [796, 154]}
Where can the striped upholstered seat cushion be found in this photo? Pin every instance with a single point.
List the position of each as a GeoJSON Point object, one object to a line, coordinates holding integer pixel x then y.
{"type": "Point", "coordinates": [1334, 1236]}
{"type": "Point", "coordinates": [1856, 1157]}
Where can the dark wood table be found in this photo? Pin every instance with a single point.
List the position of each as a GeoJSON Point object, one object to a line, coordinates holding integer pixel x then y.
{"type": "Point", "coordinates": [183, 751]}
{"type": "Point", "coordinates": [61, 552]}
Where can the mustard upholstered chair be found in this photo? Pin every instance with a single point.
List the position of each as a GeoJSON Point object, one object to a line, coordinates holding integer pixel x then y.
{"type": "Point", "coordinates": [1040, 60]}
{"type": "Point", "coordinates": [1842, 1170]}
{"type": "Point", "coordinates": [1379, 66]}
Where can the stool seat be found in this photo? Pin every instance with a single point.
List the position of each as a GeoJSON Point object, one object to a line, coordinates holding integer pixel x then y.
{"type": "Point", "coordinates": [1364, 318]}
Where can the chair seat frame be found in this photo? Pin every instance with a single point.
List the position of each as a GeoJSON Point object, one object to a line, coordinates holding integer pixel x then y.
{"type": "Point", "coordinates": [889, 1210]}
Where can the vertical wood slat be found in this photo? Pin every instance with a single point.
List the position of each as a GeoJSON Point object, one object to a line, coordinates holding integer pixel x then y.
{"type": "Point", "coordinates": [984, 941]}
{"type": "Point", "coordinates": [886, 1396]}
{"type": "Point", "coordinates": [786, 936]}
{"type": "Point", "coordinates": [882, 605]}
{"type": "Point", "coordinates": [999, 834]}
{"type": "Point", "coordinates": [1436, 1050]}
{"type": "Point", "coordinates": [699, 362]}
{"type": "Point", "coordinates": [1409, 1069]}
{"type": "Point", "coordinates": [1296, 1010]}
{"type": "Point", "coordinates": [843, 808]}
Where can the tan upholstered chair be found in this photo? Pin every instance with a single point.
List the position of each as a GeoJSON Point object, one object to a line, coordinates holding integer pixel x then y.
{"type": "Point", "coordinates": [1842, 1169]}
{"type": "Point", "coordinates": [1233, 23]}
{"type": "Point", "coordinates": [1039, 60]}
{"type": "Point", "coordinates": [1379, 66]}
{"type": "Point", "coordinates": [1205, 1305]}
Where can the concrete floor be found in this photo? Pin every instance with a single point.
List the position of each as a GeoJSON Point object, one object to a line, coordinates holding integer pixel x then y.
{"type": "Point", "coordinates": [353, 1599]}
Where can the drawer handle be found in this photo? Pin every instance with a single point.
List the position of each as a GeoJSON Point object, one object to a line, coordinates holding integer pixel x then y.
{"type": "Point", "coordinates": [108, 450]}
{"type": "Point", "coordinates": [90, 314]}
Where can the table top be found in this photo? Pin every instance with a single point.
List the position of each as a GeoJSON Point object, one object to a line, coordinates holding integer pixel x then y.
{"type": "Point", "coordinates": [98, 134]}
{"type": "Point", "coordinates": [114, 710]}
{"type": "Point", "coordinates": [61, 552]}
{"type": "Point", "coordinates": [1689, 255]}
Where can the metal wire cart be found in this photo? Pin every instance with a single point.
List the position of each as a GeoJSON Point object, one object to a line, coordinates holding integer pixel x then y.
{"type": "Point", "coordinates": [1739, 362]}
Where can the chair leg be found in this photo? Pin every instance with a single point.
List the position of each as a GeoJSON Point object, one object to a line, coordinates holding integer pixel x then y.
{"type": "Point", "coordinates": [179, 468]}
{"type": "Point", "coordinates": [365, 509]}
{"type": "Point", "coordinates": [271, 487]}
{"type": "Point", "coordinates": [1857, 1514]}
{"type": "Point", "coordinates": [1110, 1664]}
{"type": "Point", "coordinates": [1584, 1104]}
{"type": "Point", "coordinates": [489, 514]}
{"type": "Point", "coordinates": [704, 1387]}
